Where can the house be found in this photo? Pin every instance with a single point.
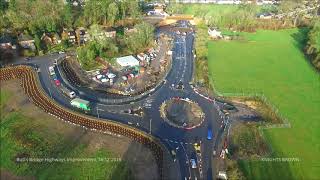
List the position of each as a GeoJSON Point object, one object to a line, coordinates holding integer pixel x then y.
{"type": "Point", "coordinates": [82, 35]}
{"type": "Point", "coordinates": [72, 36]}
{"type": "Point", "coordinates": [46, 38]}
{"type": "Point", "coordinates": [51, 38]}
{"type": "Point", "coordinates": [111, 33]}
{"type": "Point", "coordinates": [214, 33]}
{"type": "Point", "coordinates": [6, 42]}
{"type": "Point", "coordinates": [75, 3]}
{"type": "Point", "coordinates": [26, 41]}
{"type": "Point", "coordinates": [127, 61]}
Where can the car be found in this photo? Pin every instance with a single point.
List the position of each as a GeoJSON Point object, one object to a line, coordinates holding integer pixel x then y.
{"type": "Point", "coordinates": [193, 163]}
{"type": "Point", "coordinates": [54, 77]}
{"type": "Point", "coordinates": [57, 82]}
{"type": "Point", "coordinates": [111, 75]}
{"type": "Point", "coordinates": [72, 94]}
{"type": "Point", "coordinates": [51, 71]}
{"type": "Point", "coordinates": [209, 135]}
{"type": "Point", "coordinates": [61, 52]}
{"type": "Point", "coordinates": [28, 58]}
{"type": "Point", "coordinates": [214, 153]}
{"type": "Point", "coordinates": [174, 155]}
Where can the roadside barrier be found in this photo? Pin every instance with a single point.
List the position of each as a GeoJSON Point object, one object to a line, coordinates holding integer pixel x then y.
{"type": "Point", "coordinates": [30, 84]}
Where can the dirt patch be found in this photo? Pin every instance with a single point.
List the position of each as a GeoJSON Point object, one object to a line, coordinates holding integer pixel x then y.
{"type": "Point", "coordinates": [6, 175]}
{"type": "Point", "coordinates": [138, 157]}
{"type": "Point", "coordinates": [254, 107]}
{"type": "Point", "coordinates": [182, 113]}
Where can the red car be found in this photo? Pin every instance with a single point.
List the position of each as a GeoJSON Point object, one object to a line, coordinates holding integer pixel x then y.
{"type": "Point", "coordinates": [57, 82]}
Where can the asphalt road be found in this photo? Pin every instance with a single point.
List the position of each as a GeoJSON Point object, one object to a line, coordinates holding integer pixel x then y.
{"type": "Point", "coordinates": [178, 139]}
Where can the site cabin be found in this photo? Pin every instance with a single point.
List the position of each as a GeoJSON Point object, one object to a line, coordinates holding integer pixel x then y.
{"type": "Point", "coordinates": [81, 104]}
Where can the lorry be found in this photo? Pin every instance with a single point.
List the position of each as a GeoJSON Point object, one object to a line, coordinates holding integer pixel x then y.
{"type": "Point", "coordinates": [81, 104]}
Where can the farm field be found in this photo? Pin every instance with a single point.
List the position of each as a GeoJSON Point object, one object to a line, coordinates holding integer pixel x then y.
{"type": "Point", "coordinates": [28, 132]}
{"type": "Point", "coordinates": [201, 10]}
{"type": "Point", "coordinates": [272, 63]}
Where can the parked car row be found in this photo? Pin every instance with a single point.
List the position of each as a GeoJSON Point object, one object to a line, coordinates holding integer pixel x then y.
{"type": "Point", "coordinates": [104, 76]}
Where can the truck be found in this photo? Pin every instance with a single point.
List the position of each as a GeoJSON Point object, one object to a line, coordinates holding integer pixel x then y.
{"type": "Point", "coordinates": [81, 104]}
{"type": "Point", "coordinates": [66, 91]}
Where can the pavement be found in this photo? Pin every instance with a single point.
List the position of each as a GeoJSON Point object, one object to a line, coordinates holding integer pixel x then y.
{"type": "Point", "coordinates": [173, 138]}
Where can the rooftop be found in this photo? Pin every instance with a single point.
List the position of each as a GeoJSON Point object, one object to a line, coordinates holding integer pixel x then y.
{"type": "Point", "coordinates": [127, 61]}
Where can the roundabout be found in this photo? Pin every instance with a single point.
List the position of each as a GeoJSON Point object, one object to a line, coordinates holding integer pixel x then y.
{"type": "Point", "coordinates": [173, 129]}
{"type": "Point", "coordinates": [182, 113]}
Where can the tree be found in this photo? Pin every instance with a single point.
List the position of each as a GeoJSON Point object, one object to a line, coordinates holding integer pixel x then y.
{"type": "Point", "coordinates": [112, 13]}
{"type": "Point", "coordinates": [313, 45]}
{"type": "Point", "coordinates": [67, 16]}
{"type": "Point", "coordinates": [35, 15]}
{"type": "Point", "coordinates": [141, 39]}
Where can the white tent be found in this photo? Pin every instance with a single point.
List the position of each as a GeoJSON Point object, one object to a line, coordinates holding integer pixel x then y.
{"type": "Point", "coordinates": [127, 61]}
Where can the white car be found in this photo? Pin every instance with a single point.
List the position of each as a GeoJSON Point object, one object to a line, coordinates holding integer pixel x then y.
{"type": "Point", "coordinates": [72, 94]}
{"type": "Point", "coordinates": [51, 71]}
{"type": "Point", "coordinates": [193, 163]}
{"type": "Point", "coordinates": [111, 75]}
{"type": "Point", "coordinates": [61, 52]}
{"type": "Point", "coordinates": [104, 80]}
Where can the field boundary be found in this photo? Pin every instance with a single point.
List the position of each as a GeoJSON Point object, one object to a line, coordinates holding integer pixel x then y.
{"type": "Point", "coordinates": [30, 85]}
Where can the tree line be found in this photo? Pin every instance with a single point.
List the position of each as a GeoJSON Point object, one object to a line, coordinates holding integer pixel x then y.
{"type": "Point", "coordinates": [35, 17]}
{"type": "Point", "coordinates": [243, 17]}
{"type": "Point", "coordinates": [312, 48]}
{"type": "Point", "coordinates": [52, 15]}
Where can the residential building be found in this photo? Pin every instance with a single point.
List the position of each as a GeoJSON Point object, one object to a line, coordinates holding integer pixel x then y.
{"type": "Point", "coordinates": [6, 42]}
{"type": "Point", "coordinates": [214, 33]}
{"type": "Point", "coordinates": [26, 41]}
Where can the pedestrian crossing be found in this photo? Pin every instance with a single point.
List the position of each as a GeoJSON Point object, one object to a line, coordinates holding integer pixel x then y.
{"type": "Point", "coordinates": [177, 142]}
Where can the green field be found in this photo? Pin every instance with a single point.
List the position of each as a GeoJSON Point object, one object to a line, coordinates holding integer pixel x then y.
{"type": "Point", "coordinates": [272, 63]}
{"type": "Point", "coordinates": [214, 9]}
{"type": "Point", "coordinates": [23, 137]}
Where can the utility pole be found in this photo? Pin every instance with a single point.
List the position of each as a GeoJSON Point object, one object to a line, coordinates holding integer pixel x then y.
{"type": "Point", "coordinates": [97, 111]}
